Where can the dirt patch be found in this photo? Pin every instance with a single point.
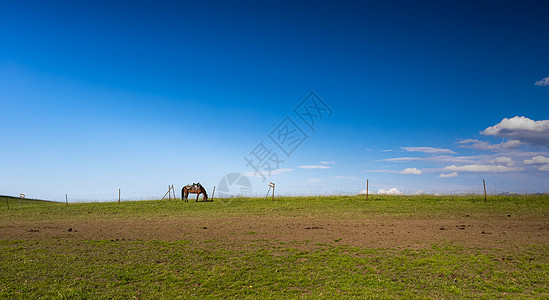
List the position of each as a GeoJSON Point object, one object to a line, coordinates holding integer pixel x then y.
{"type": "Point", "coordinates": [386, 233]}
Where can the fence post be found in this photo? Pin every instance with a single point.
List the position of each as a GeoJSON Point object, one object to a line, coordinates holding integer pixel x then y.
{"type": "Point", "coordinates": [118, 196]}
{"type": "Point", "coordinates": [67, 199]}
{"type": "Point", "coordinates": [367, 190]}
{"type": "Point", "coordinates": [166, 193]}
{"type": "Point", "coordinates": [484, 183]}
{"type": "Point", "coordinates": [213, 193]}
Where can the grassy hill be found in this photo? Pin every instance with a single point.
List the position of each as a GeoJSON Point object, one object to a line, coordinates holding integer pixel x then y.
{"type": "Point", "coordinates": [13, 201]}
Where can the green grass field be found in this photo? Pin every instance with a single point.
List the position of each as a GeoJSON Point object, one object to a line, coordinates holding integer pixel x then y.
{"type": "Point", "coordinates": [303, 247]}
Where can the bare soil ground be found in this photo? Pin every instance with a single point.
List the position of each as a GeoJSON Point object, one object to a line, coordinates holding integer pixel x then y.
{"type": "Point", "coordinates": [413, 233]}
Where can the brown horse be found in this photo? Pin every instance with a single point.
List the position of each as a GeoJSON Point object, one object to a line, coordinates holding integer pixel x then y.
{"type": "Point", "coordinates": [195, 188]}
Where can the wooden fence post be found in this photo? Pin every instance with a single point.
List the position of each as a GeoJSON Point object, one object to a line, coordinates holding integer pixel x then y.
{"type": "Point", "coordinates": [169, 189]}
{"type": "Point", "coordinates": [484, 183]}
{"type": "Point", "coordinates": [273, 192]}
{"type": "Point", "coordinates": [367, 190]}
{"type": "Point", "coordinates": [118, 196]}
{"type": "Point", "coordinates": [67, 199]}
{"type": "Point", "coordinates": [213, 193]}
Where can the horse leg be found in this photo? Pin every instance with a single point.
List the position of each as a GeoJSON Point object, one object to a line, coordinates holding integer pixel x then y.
{"type": "Point", "coordinates": [197, 194]}
{"type": "Point", "coordinates": [185, 194]}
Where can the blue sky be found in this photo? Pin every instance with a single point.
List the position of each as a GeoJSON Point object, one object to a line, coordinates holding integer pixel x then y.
{"type": "Point", "coordinates": [426, 96]}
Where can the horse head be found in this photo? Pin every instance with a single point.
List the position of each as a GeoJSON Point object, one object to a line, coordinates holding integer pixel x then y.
{"type": "Point", "coordinates": [204, 192]}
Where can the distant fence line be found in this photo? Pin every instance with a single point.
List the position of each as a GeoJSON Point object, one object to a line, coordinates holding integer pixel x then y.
{"type": "Point", "coordinates": [375, 188]}
{"type": "Point", "coordinates": [413, 188]}
{"type": "Point", "coordinates": [320, 189]}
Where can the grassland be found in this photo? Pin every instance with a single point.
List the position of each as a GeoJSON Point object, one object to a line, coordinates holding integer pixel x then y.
{"type": "Point", "coordinates": [311, 247]}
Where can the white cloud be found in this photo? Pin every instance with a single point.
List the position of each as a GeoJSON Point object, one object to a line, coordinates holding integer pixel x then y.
{"type": "Point", "coordinates": [391, 191]}
{"type": "Point", "coordinates": [347, 177]}
{"type": "Point", "coordinates": [401, 159]}
{"type": "Point", "coordinates": [465, 141]}
{"type": "Point", "coordinates": [313, 180]}
{"type": "Point", "coordinates": [327, 162]}
{"type": "Point", "coordinates": [537, 160]}
{"type": "Point", "coordinates": [428, 150]}
{"type": "Point", "coordinates": [479, 168]}
{"type": "Point", "coordinates": [448, 175]}
{"type": "Point", "coordinates": [439, 158]}
{"type": "Point", "coordinates": [544, 168]}
{"type": "Point", "coordinates": [482, 145]}
{"type": "Point", "coordinates": [503, 160]}
{"type": "Point", "coordinates": [543, 82]}
{"type": "Point", "coordinates": [517, 123]}
{"type": "Point", "coordinates": [314, 167]}
{"type": "Point", "coordinates": [523, 129]}
{"type": "Point", "coordinates": [413, 171]}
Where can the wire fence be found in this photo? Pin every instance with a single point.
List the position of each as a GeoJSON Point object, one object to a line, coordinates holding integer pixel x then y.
{"type": "Point", "coordinates": [317, 189]}
{"type": "Point", "coordinates": [387, 188]}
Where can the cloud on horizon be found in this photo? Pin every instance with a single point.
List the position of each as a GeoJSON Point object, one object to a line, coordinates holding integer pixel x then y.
{"type": "Point", "coordinates": [523, 129]}
{"type": "Point", "coordinates": [313, 167]}
{"type": "Point", "coordinates": [543, 82]}
{"type": "Point", "coordinates": [482, 145]}
{"type": "Point", "coordinates": [413, 171]}
{"type": "Point", "coordinates": [510, 155]}
{"type": "Point", "coordinates": [440, 158]}
{"type": "Point", "coordinates": [503, 160]}
{"type": "Point", "coordinates": [431, 150]}
{"type": "Point", "coordinates": [537, 160]}
{"type": "Point", "coordinates": [448, 175]}
{"type": "Point", "coordinates": [391, 191]}
{"type": "Point", "coordinates": [407, 171]}
{"type": "Point", "coordinates": [480, 168]}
